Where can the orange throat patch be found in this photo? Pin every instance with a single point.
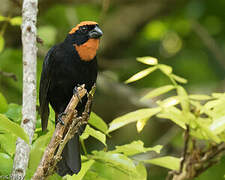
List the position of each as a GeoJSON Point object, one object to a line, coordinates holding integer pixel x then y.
{"type": "Point", "coordinates": [88, 50]}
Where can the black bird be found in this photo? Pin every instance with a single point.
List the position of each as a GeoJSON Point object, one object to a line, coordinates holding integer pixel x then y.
{"type": "Point", "coordinates": [67, 65]}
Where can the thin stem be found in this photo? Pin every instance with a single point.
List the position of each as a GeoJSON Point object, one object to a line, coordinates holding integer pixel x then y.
{"type": "Point", "coordinates": [83, 146]}
{"type": "Point", "coordinates": [9, 75]}
{"type": "Point", "coordinates": [4, 26]}
{"type": "Point", "coordinates": [6, 22]}
{"type": "Point", "coordinates": [173, 81]}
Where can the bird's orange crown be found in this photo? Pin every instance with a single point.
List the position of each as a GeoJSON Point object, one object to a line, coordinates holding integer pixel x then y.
{"type": "Point", "coordinates": [83, 23]}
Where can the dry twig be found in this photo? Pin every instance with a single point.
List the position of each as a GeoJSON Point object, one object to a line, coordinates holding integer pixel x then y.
{"type": "Point", "coordinates": [9, 75]}
{"type": "Point", "coordinates": [196, 161]}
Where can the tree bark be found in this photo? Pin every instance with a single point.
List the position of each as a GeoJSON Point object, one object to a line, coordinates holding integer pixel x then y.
{"type": "Point", "coordinates": [29, 15]}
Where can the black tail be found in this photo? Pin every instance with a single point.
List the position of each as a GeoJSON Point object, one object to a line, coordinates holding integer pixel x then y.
{"type": "Point", "coordinates": [71, 160]}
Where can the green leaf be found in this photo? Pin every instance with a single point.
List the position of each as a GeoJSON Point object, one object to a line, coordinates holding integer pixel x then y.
{"type": "Point", "coordinates": [135, 147]}
{"type": "Point", "coordinates": [84, 169]}
{"type": "Point", "coordinates": [16, 21]}
{"type": "Point", "coordinates": [116, 160]}
{"type": "Point", "coordinates": [141, 172]}
{"type": "Point", "coordinates": [2, 18]}
{"type": "Point", "coordinates": [141, 74]}
{"type": "Point", "coordinates": [103, 171]}
{"type": "Point", "coordinates": [168, 102]}
{"type": "Point", "coordinates": [206, 132]}
{"type": "Point", "coordinates": [165, 69]}
{"type": "Point", "coordinates": [84, 136]}
{"type": "Point", "coordinates": [2, 43]}
{"type": "Point", "coordinates": [179, 79]}
{"type": "Point", "coordinates": [158, 91]}
{"type": "Point", "coordinates": [13, 128]}
{"type": "Point", "coordinates": [211, 104]}
{"type": "Point", "coordinates": [52, 177]}
{"type": "Point", "coordinates": [6, 164]}
{"type": "Point", "coordinates": [94, 133]}
{"type": "Point", "coordinates": [98, 122]}
{"type": "Point", "coordinates": [148, 60]}
{"type": "Point", "coordinates": [84, 158]}
{"type": "Point", "coordinates": [217, 95]}
{"type": "Point", "coordinates": [96, 175]}
{"type": "Point", "coordinates": [199, 97]}
{"type": "Point", "coordinates": [169, 162]}
{"type": "Point", "coordinates": [183, 98]}
{"type": "Point", "coordinates": [14, 112]}
{"type": "Point", "coordinates": [141, 124]}
{"type": "Point", "coordinates": [132, 117]}
{"type": "Point", "coordinates": [37, 150]}
{"type": "Point", "coordinates": [218, 109]}
{"type": "Point", "coordinates": [174, 114]}
{"type": "Point", "coordinates": [218, 125]}
{"type": "Point", "coordinates": [8, 143]}
{"type": "Point", "coordinates": [3, 104]}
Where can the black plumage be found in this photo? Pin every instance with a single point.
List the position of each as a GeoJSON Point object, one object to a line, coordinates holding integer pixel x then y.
{"type": "Point", "coordinates": [63, 69]}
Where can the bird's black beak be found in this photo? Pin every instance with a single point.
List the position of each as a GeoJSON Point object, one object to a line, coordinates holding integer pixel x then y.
{"type": "Point", "coordinates": [95, 33]}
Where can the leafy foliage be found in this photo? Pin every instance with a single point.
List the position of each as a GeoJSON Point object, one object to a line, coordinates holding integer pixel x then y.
{"type": "Point", "coordinates": [13, 128]}
{"type": "Point", "coordinates": [94, 133]}
{"type": "Point", "coordinates": [98, 122]}
{"type": "Point", "coordinates": [6, 164]}
{"type": "Point", "coordinates": [4, 104]}
{"type": "Point", "coordinates": [2, 43]}
{"type": "Point", "coordinates": [204, 114]}
{"type": "Point", "coordinates": [132, 117]}
{"type": "Point", "coordinates": [207, 120]}
{"type": "Point", "coordinates": [167, 162]}
{"type": "Point", "coordinates": [14, 21]}
{"type": "Point", "coordinates": [135, 147]}
{"type": "Point", "coordinates": [118, 160]}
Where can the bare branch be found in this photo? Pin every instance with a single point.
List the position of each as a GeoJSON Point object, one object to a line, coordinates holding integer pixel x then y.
{"type": "Point", "coordinates": [9, 75]}
{"type": "Point", "coordinates": [198, 161]}
{"type": "Point", "coordinates": [186, 140]}
{"type": "Point", "coordinates": [209, 42]}
{"type": "Point", "coordinates": [29, 14]}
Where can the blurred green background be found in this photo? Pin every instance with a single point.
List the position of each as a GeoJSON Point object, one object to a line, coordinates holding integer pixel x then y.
{"type": "Point", "coordinates": [187, 35]}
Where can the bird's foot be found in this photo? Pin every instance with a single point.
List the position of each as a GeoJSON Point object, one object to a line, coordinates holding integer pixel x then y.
{"type": "Point", "coordinates": [75, 92]}
{"type": "Point", "coordinates": [60, 118]}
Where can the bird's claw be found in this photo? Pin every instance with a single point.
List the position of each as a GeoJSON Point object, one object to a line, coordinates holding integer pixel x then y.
{"type": "Point", "coordinates": [75, 92]}
{"type": "Point", "coordinates": [60, 118]}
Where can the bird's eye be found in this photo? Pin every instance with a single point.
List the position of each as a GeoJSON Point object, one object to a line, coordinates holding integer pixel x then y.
{"type": "Point", "coordinates": [83, 29]}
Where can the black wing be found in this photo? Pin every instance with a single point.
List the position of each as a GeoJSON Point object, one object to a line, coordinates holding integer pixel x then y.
{"type": "Point", "coordinates": [44, 87]}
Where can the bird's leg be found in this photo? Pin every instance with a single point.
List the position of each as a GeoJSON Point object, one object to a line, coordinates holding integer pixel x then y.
{"type": "Point", "coordinates": [83, 126]}
{"type": "Point", "coordinates": [60, 118]}
{"type": "Point", "coordinates": [76, 121]}
{"type": "Point", "coordinates": [75, 92]}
